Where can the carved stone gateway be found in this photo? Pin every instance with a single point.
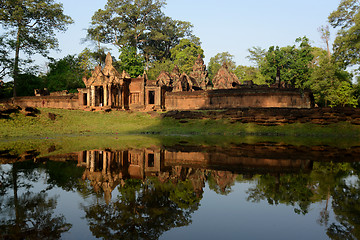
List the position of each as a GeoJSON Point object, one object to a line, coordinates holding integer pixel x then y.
{"type": "Point", "coordinates": [108, 88]}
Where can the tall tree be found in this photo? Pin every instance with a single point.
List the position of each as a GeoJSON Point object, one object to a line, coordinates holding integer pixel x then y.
{"type": "Point", "coordinates": [325, 36]}
{"type": "Point", "coordinates": [124, 22]}
{"type": "Point", "coordinates": [330, 84]}
{"type": "Point", "coordinates": [31, 26]}
{"type": "Point", "coordinates": [256, 55]}
{"type": "Point", "coordinates": [140, 24]}
{"type": "Point", "coordinates": [246, 73]}
{"type": "Point", "coordinates": [292, 62]}
{"type": "Point", "coordinates": [185, 53]}
{"type": "Point", "coordinates": [347, 41]}
{"type": "Point", "coordinates": [131, 62]}
{"type": "Point", "coordinates": [165, 33]}
{"type": "Point", "coordinates": [217, 61]}
{"type": "Point", "coordinates": [5, 59]}
{"type": "Point", "coordinates": [65, 74]}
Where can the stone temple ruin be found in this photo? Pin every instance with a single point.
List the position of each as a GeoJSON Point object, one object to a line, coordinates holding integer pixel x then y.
{"type": "Point", "coordinates": [107, 88]}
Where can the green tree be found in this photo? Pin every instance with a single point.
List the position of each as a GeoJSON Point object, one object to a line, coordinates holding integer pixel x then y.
{"type": "Point", "coordinates": [217, 61]}
{"type": "Point", "coordinates": [124, 22]}
{"type": "Point", "coordinates": [330, 84]}
{"type": "Point", "coordinates": [30, 25]}
{"type": "Point", "coordinates": [6, 89]}
{"type": "Point", "coordinates": [256, 55]}
{"type": "Point", "coordinates": [157, 67]}
{"type": "Point", "coordinates": [165, 34]}
{"type": "Point", "coordinates": [245, 73]}
{"type": "Point", "coordinates": [131, 62]}
{"type": "Point", "coordinates": [346, 43]}
{"type": "Point", "coordinates": [289, 189]}
{"type": "Point", "coordinates": [185, 53]}
{"type": "Point", "coordinates": [140, 24]}
{"type": "Point", "coordinates": [6, 62]}
{"type": "Point", "coordinates": [27, 83]}
{"type": "Point", "coordinates": [292, 62]}
{"type": "Point", "coordinates": [65, 74]}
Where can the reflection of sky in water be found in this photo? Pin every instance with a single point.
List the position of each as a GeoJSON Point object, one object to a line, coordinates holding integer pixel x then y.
{"type": "Point", "coordinates": [232, 217]}
{"type": "Point", "coordinates": [218, 216]}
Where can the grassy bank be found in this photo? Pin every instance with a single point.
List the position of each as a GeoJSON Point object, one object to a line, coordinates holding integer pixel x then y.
{"type": "Point", "coordinates": [82, 123]}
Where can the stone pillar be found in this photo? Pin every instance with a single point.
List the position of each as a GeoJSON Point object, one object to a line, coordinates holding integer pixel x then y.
{"type": "Point", "coordinates": [121, 93]}
{"type": "Point", "coordinates": [104, 162]}
{"type": "Point", "coordinates": [105, 95]}
{"type": "Point", "coordinates": [110, 96]}
{"type": "Point", "coordinates": [88, 97]}
{"type": "Point", "coordinates": [158, 97]}
{"type": "Point", "coordinates": [87, 159]}
{"type": "Point", "coordinates": [118, 99]}
{"type": "Point", "coordinates": [92, 161]}
{"type": "Point", "coordinates": [92, 96]}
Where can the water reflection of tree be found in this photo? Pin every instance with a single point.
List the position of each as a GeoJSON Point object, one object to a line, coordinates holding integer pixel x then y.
{"type": "Point", "coordinates": [346, 206]}
{"type": "Point", "coordinates": [290, 189]}
{"type": "Point", "coordinates": [326, 181]}
{"type": "Point", "coordinates": [23, 214]}
{"type": "Point", "coordinates": [143, 210]}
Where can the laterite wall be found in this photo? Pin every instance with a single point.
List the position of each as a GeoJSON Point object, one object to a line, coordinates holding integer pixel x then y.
{"type": "Point", "coordinates": [239, 98]}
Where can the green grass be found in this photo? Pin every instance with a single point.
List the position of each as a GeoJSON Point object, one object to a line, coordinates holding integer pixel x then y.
{"type": "Point", "coordinates": [71, 123]}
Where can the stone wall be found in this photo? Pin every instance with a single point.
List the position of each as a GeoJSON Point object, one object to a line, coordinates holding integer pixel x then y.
{"type": "Point", "coordinates": [239, 98]}
{"type": "Point", "coordinates": [275, 116]}
{"type": "Point", "coordinates": [70, 101]}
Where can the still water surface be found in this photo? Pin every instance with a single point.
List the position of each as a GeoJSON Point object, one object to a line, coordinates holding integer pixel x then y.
{"type": "Point", "coordinates": [247, 191]}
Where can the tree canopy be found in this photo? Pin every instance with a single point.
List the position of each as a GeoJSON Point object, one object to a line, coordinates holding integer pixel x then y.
{"type": "Point", "coordinates": [131, 62]}
{"type": "Point", "coordinates": [185, 53]}
{"type": "Point", "coordinates": [292, 62]}
{"type": "Point", "coordinates": [346, 44]}
{"type": "Point", "coordinates": [140, 24]}
{"type": "Point", "coordinates": [218, 60]}
{"type": "Point", "coordinates": [30, 26]}
{"type": "Point", "coordinates": [65, 74]}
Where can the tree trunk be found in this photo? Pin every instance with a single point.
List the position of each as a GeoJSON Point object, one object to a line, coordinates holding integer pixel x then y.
{"type": "Point", "coordinates": [16, 63]}
{"type": "Point", "coordinates": [16, 200]}
{"type": "Point", "coordinates": [328, 49]}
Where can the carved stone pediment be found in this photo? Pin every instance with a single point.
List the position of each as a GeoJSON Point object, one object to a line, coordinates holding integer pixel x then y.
{"type": "Point", "coordinates": [224, 79]}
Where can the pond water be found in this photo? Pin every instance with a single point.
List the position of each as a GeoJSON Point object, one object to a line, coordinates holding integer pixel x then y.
{"type": "Point", "coordinates": [182, 191]}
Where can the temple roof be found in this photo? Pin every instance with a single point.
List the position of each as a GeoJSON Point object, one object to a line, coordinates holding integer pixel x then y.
{"type": "Point", "coordinates": [224, 78]}
{"type": "Point", "coordinates": [107, 75]}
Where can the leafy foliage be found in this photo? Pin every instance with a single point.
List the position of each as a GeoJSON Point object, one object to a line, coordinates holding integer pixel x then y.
{"type": "Point", "coordinates": [330, 84]}
{"type": "Point", "coordinates": [346, 44]}
{"type": "Point", "coordinates": [140, 24]}
{"type": "Point", "coordinates": [256, 55]}
{"type": "Point", "coordinates": [245, 73]}
{"type": "Point", "coordinates": [157, 67]}
{"type": "Point", "coordinates": [65, 74]}
{"type": "Point", "coordinates": [131, 62]}
{"type": "Point", "coordinates": [143, 210]}
{"type": "Point", "coordinates": [30, 26]}
{"type": "Point", "coordinates": [292, 62]}
{"type": "Point", "coordinates": [185, 53]}
{"type": "Point", "coordinates": [218, 60]}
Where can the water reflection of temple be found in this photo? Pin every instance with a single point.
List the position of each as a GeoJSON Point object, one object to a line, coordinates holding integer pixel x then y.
{"type": "Point", "coordinates": [106, 169]}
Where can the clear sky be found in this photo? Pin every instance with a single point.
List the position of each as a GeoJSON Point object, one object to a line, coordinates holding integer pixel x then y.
{"type": "Point", "coordinates": [222, 25]}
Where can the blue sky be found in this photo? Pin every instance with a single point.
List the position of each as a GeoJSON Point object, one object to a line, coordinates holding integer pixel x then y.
{"type": "Point", "coordinates": [222, 25]}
